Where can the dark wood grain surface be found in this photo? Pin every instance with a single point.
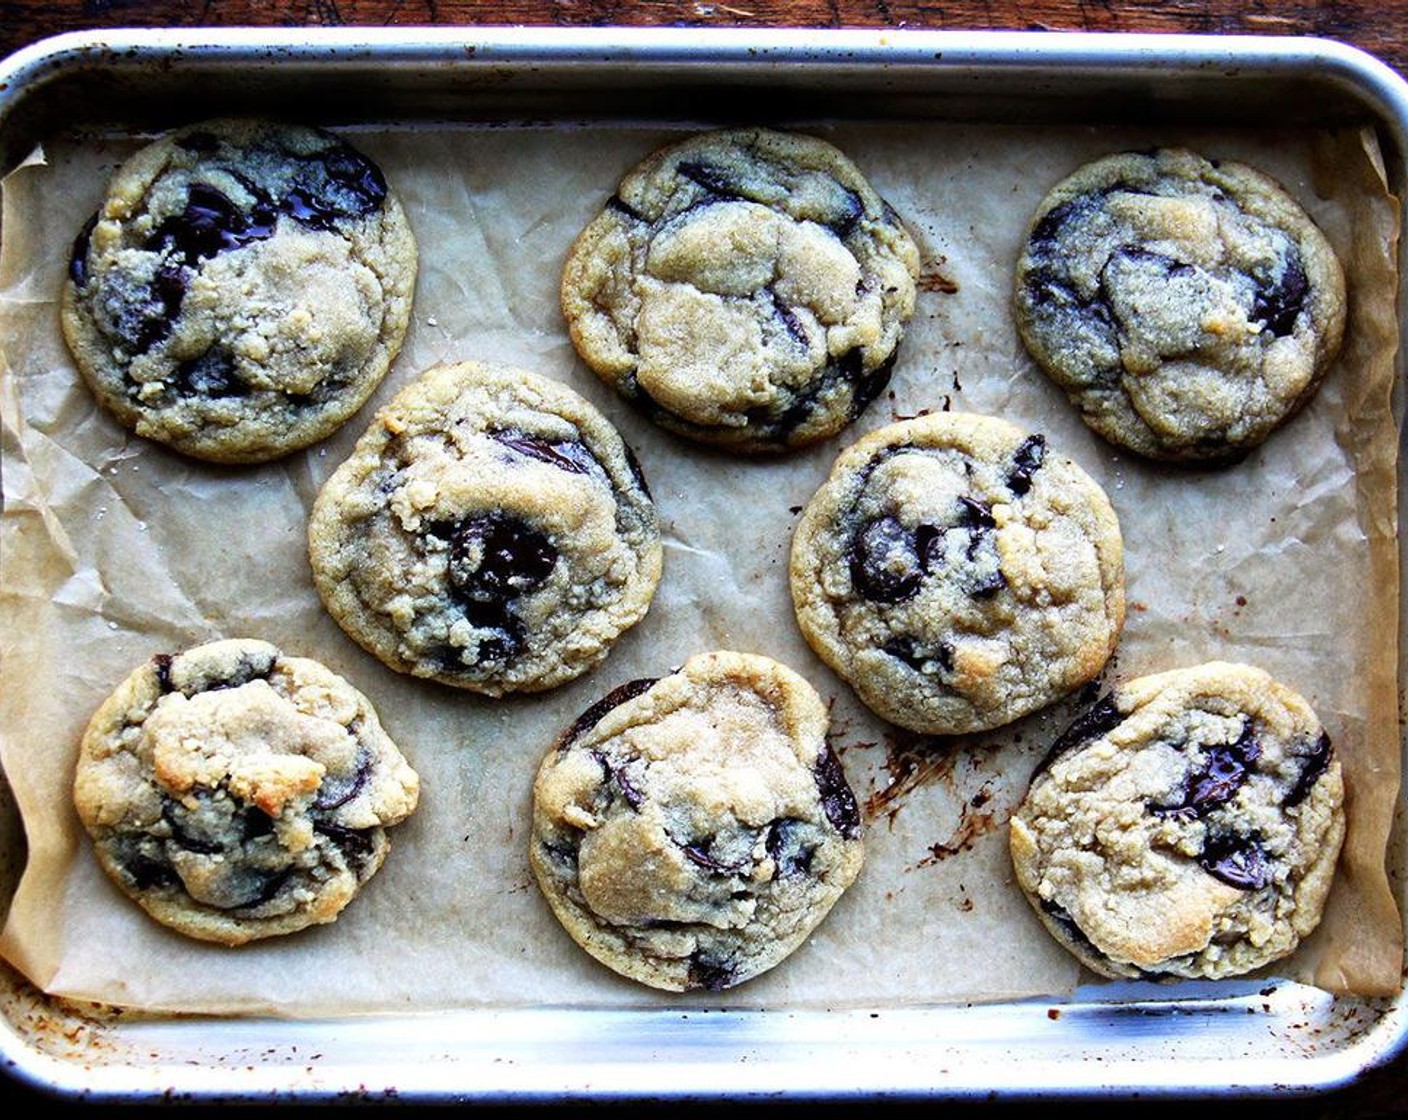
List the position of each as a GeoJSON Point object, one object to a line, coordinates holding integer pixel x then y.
{"type": "Point", "coordinates": [1377, 26]}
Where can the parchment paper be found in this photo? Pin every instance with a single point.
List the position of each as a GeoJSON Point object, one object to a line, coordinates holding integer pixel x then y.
{"type": "Point", "coordinates": [113, 549]}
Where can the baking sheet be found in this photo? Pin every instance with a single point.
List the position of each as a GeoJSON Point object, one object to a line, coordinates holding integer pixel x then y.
{"type": "Point", "coordinates": [112, 549]}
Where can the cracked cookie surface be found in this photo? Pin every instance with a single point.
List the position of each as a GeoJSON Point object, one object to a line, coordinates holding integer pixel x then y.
{"type": "Point", "coordinates": [743, 288]}
{"type": "Point", "coordinates": [958, 573]}
{"type": "Point", "coordinates": [1187, 307]}
{"type": "Point", "coordinates": [1187, 825]}
{"type": "Point", "coordinates": [490, 530]}
{"type": "Point", "coordinates": [691, 832]}
{"type": "Point", "coordinates": [237, 793]}
{"type": "Point", "coordinates": [241, 290]}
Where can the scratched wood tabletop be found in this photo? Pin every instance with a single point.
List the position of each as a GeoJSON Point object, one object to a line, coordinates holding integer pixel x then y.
{"type": "Point", "coordinates": [1379, 27]}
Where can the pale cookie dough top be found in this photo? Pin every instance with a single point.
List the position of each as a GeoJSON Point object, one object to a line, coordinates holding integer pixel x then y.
{"type": "Point", "coordinates": [958, 573]}
{"type": "Point", "coordinates": [1187, 307]}
{"type": "Point", "coordinates": [745, 288]}
{"type": "Point", "coordinates": [490, 530]}
{"type": "Point", "coordinates": [1187, 825]}
{"type": "Point", "coordinates": [237, 793]}
{"type": "Point", "coordinates": [241, 290]}
{"type": "Point", "coordinates": [691, 832]}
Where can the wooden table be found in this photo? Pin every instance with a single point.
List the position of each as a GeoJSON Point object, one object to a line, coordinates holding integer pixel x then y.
{"type": "Point", "coordinates": [1377, 26]}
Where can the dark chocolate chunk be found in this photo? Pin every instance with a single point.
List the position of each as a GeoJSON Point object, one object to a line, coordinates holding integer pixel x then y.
{"type": "Point", "coordinates": [1225, 769]}
{"type": "Point", "coordinates": [337, 790]}
{"type": "Point", "coordinates": [506, 640]}
{"type": "Point", "coordinates": [1312, 766]}
{"type": "Point", "coordinates": [697, 852]}
{"type": "Point", "coordinates": [1279, 302]}
{"type": "Point", "coordinates": [885, 562]}
{"type": "Point", "coordinates": [356, 845]}
{"type": "Point", "coordinates": [162, 664]}
{"type": "Point", "coordinates": [788, 318]}
{"type": "Point", "coordinates": [1101, 717]}
{"type": "Point", "coordinates": [196, 829]}
{"type": "Point", "coordinates": [568, 455]}
{"type": "Point", "coordinates": [143, 869]}
{"type": "Point", "coordinates": [787, 848]}
{"type": "Point", "coordinates": [710, 973]}
{"type": "Point", "coordinates": [1026, 461]}
{"type": "Point", "coordinates": [837, 800]}
{"type": "Point", "coordinates": [904, 648]}
{"type": "Point", "coordinates": [613, 699]}
{"type": "Point", "coordinates": [496, 557]}
{"type": "Point", "coordinates": [1238, 861]}
{"type": "Point", "coordinates": [617, 774]}
{"type": "Point", "coordinates": [212, 224]}
{"type": "Point", "coordinates": [618, 204]}
{"type": "Point", "coordinates": [78, 257]}
{"type": "Point", "coordinates": [210, 375]}
{"type": "Point", "coordinates": [712, 179]}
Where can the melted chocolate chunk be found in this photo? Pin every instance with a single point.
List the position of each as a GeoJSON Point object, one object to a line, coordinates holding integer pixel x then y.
{"type": "Point", "coordinates": [212, 224]}
{"type": "Point", "coordinates": [210, 375]}
{"type": "Point", "coordinates": [1278, 304]}
{"type": "Point", "coordinates": [78, 257]}
{"type": "Point", "coordinates": [195, 830]}
{"type": "Point", "coordinates": [974, 514]}
{"type": "Point", "coordinates": [145, 871]}
{"type": "Point", "coordinates": [1137, 256]}
{"type": "Point", "coordinates": [336, 791]}
{"type": "Point", "coordinates": [250, 667]}
{"type": "Point", "coordinates": [597, 712]}
{"type": "Point", "coordinates": [618, 204]}
{"type": "Point", "coordinates": [905, 649]}
{"type": "Point", "coordinates": [988, 585]}
{"type": "Point", "coordinates": [713, 179]}
{"type": "Point", "coordinates": [1098, 719]}
{"type": "Point", "coordinates": [636, 473]}
{"type": "Point", "coordinates": [162, 664]}
{"type": "Point", "coordinates": [617, 774]}
{"type": "Point", "coordinates": [1313, 765]}
{"type": "Point", "coordinates": [837, 800]}
{"type": "Point", "coordinates": [506, 640]}
{"type": "Point", "coordinates": [1225, 769]}
{"type": "Point", "coordinates": [785, 846]}
{"type": "Point", "coordinates": [887, 565]}
{"type": "Point", "coordinates": [697, 852]}
{"type": "Point", "coordinates": [794, 326]}
{"type": "Point", "coordinates": [1026, 461]}
{"type": "Point", "coordinates": [495, 557]}
{"type": "Point", "coordinates": [567, 455]}
{"type": "Point", "coordinates": [844, 221]}
{"type": "Point", "coordinates": [709, 973]}
{"type": "Point", "coordinates": [1238, 861]}
{"type": "Point", "coordinates": [356, 845]}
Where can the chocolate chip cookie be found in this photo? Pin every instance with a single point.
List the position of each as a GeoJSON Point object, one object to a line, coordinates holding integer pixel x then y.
{"type": "Point", "coordinates": [1187, 825]}
{"type": "Point", "coordinates": [1188, 307]}
{"type": "Point", "coordinates": [691, 832]}
{"type": "Point", "coordinates": [242, 289]}
{"type": "Point", "coordinates": [491, 530]}
{"type": "Point", "coordinates": [744, 288]}
{"type": "Point", "coordinates": [238, 793]}
{"type": "Point", "coordinates": [958, 572]}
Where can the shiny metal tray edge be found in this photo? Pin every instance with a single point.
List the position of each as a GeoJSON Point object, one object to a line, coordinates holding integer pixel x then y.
{"type": "Point", "coordinates": [1234, 1038]}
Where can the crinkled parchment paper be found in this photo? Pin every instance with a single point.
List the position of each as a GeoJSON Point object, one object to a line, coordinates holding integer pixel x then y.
{"type": "Point", "coordinates": [112, 550]}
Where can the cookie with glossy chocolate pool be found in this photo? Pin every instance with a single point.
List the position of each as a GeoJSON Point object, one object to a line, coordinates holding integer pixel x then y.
{"type": "Point", "coordinates": [490, 530]}
{"type": "Point", "coordinates": [237, 793]}
{"type": "Point", "coordinates": [241, 290]}
{"type": "Point", "coordinates": [691, 832]}
{"type": "Point", "coordinates": [744, 288]}
{"type": "Point", "coordinates": [1188, 307]}
{"type": "Point", "coordinates": [1187, 825]}
{"type": "Point", "coordinates": [958, 572]}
